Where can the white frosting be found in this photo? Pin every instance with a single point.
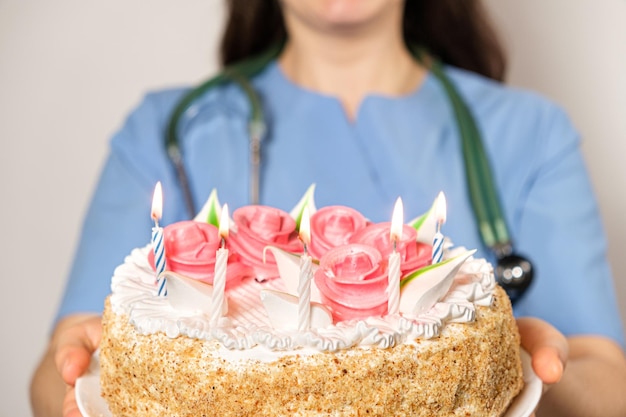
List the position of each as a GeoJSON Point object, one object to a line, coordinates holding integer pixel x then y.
{"type": "Point", "coordinates": [246, 332]}
{"type": "Point", "coordinates": [283, 309]}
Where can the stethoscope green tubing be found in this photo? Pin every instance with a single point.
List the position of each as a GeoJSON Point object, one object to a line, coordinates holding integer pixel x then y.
{"type": "Point", "coordinates": [483, 194]}
{"type": "Point", "coordinates": [240, 74]}
{"type": "Point", "coordinates": [482, 190]}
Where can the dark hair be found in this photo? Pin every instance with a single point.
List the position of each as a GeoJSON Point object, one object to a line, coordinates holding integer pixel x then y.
{"type": "Point", "coordinates": [458, 32]}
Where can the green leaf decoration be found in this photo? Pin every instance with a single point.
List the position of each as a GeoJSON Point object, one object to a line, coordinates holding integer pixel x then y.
{"type": "Point", "coordinates": [213, 217]}
{"type": "Point", "coordinates": [431, 267]}
{"type": "Point", "coordinates": [425, 225]}
{"type": "Point", "coordinates": [307, 200]}
{"type": "Point", "coordinates": [425, 287]}
{"type": "Point", "coordinates": [415, 274]}
{"type": "Point", "coordinates": [210, 212]}
{"type": "Point", "coordinates": [419, 221]}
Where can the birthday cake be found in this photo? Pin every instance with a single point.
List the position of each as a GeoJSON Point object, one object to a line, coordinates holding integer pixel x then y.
{"type": "Point", "coordinates": [307, 313]}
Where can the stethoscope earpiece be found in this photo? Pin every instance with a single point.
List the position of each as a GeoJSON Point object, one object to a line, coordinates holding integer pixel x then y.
{"type": "Point", "coordinates": [513, 272]}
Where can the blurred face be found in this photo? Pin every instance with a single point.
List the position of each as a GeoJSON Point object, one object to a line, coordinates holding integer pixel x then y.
{"type": "Point", "coordinates": [338, 15]}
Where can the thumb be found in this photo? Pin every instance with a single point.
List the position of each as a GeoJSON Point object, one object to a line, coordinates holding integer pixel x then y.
{"type": "Point", "coordinates": [547, 347]}
{"type": "Point", "coordinates": [76, 339]}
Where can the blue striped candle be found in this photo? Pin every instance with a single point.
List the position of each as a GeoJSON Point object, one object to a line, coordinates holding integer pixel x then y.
{"type": "Point", "coordinates": [440, 216]}
{"type": "Point", "coordinates": [437, 247]}
{"type": "Point", "coordinates": [158, 246]}
{"type": "Point", "coordinates": [159, 257]}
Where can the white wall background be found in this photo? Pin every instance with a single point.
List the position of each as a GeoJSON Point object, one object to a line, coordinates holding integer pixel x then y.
{"type": "Point", "coordinates": [70, 70]}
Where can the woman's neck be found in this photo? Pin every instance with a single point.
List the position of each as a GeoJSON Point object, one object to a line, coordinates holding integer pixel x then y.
{"type": "Point", "coordinates": [351, 64]}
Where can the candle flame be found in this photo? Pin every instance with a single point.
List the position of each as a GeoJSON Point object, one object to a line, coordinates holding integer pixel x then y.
{"type": "Point", "coordinates": [440, 208]}
{"type": "Point", "coordinates": [224, 222]}
{"type": "Point", "coordinates": [157, 202]}
{"type": "Point", "coordinates": [305, 227]}
{"type": "Point", "coordinates": [397, 220]}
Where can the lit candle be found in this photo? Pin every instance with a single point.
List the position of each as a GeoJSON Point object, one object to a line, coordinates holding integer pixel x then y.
{"type": "Point", "coordinates": [306, 273]}
{"type": "Point", "coordinates": [158, 246]}
{"type": "Point", "coordinates": [393, 305]}
{"type": "Point", "coordinates": [440, 217]}
{"type": "Point", "coordinates": [219, 278]}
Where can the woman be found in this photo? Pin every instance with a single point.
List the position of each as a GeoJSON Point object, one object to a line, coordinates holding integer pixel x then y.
{"type": "Point", "coordinates": [348, 105]}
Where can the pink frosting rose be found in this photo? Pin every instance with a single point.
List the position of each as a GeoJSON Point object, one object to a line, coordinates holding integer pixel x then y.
{"type": "Point", "coordinates": [258, 227]}
{"type": "Point", "coordinates": [352, 280]}
{"type": "Point", "coordinates": [190, 249]}
{"type": "Point", "coordinates": [413, 254]}
{"type": "Point", "coordinates": [333, 226]}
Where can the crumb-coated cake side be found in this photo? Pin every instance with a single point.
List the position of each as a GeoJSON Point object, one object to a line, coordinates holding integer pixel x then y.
{"type": "Point", "coordinates": [469, 369]}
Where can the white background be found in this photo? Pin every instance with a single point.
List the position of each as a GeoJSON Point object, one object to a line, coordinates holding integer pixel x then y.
{"type": "Point", "coordinates": [70, 70]}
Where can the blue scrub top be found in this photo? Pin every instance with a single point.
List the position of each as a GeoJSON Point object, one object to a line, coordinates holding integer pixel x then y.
{"type": "Point", "coordinates": [402, 146]}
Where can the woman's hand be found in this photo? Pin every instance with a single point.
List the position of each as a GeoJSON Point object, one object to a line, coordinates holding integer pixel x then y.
{"type": "Point", "coordinates": [74, 341]}
{"type": "Point", "coordinates": [592, 384]}
{"type": "Point", "coordinates": [547, 347]}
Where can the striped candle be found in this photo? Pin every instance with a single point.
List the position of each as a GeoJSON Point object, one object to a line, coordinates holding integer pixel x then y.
{"type": "Point", "coordinates": [304, 293]}
{"type": "Point", "coordinates": [158, 245]}
{"type": "Point", "coordinates": [159, 257]}
{"type": "Point", "coordinates": [219, 277]}
{"type": "Point", "coordinates": [440, 217]}
{"type": "Point", "coordinates": [306, 274]}
{"type": "Point", "coordinates": [437, 246]}
{"type": "Point", "coordinates": [393, 273]}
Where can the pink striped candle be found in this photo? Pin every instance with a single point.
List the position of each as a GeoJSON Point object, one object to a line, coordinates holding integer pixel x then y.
{"type": "Point", "coordinates": [393, 289]}
{"type": "Point", "coordinates": [219, 278]}
{"type": "Point", "coordinates": [306, 273]}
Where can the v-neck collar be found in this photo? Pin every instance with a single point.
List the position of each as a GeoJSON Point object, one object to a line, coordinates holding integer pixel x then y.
{"type": "Point", "coordinates": [289, 90]}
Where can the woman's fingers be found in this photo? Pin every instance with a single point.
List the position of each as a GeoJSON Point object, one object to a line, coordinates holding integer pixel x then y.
{"type": "Point", "coordinates": [70, 407]}
{"type": "Point", "coordinates": [547, 347]}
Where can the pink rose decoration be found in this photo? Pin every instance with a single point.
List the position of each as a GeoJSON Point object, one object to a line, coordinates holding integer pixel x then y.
{"type": "Point", "coordinates": [413, 254]}
{"type": "Point", "coordinates": [190, 249]}
{"type": "Point", "coordinates": [258, 227]}
{"type": "Point", "coordinates": [333, 226]}
{"type": "Point", "coordinates": [353, 282]}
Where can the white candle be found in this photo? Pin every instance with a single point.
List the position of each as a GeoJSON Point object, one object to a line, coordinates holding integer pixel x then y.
{"type": "Point", "coordinates": [393, 273]}
{"type": "Point", "coordinates": [306, 273]}
{"type": "Point", "coordinates": [440, 216]}
{"type": "Point", "coordinates": [219, 278]}
{"type": "Point", "coordinates": [158, 246]}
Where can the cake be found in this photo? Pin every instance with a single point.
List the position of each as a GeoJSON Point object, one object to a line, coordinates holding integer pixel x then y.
{"type": "Point", "coordinates": [315, 330]}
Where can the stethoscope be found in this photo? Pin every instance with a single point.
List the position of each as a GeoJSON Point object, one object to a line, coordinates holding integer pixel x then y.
{"type": "Point", "coordinates": [513, 271]}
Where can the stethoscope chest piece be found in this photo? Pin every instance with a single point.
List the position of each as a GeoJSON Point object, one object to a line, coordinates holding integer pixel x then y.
{"type": "Point", "coordinates": [514, 273]}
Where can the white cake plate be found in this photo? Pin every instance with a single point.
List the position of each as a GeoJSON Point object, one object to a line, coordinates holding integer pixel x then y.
{"type": "Point", "coordinates": [87, 391]}
{"type": "Point", "coordinates": [525, 403]}
{"type": "Point", "coordinates": [91, 404]}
